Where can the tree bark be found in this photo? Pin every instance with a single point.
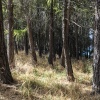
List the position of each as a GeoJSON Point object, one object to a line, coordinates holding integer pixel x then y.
{"type": "Point", "coordinates": [15, 45]}
{"type": "Point", "coordinates": [39, 30]}
{"type": "Point", "coordinates": [63, 58]}
{"type": "Point", "coordinates": [31, 41]}
{"type": "Point", "coordinates": [26, 43]}
{"type": "Point", "coordinates": [65, 33]}
{"type": "Point", "coordinates": [11, 38]}
{"type": "Point", "coordinates": [5, 74]}
{"type": "Point", "coordinates": [76, 41]}
{"type": "Point", "coordinates": [96, 58]}
{"type": "Point", "coordinates": [51, 37]}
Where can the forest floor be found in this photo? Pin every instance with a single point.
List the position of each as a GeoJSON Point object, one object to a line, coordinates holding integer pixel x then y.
{"type": "Point", "coordinates": [42, 82]}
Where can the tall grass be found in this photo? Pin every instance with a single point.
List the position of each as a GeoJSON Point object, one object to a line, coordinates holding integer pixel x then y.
{"type": "Point", "coordinates": [42, 82]}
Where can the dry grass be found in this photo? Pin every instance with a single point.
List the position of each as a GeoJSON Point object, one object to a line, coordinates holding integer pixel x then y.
{"type": "Point", "coordinates": [42, 82]}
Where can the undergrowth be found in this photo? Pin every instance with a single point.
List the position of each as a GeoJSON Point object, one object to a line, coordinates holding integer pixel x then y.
{"type": "Point", "coordinates": [42, 82]}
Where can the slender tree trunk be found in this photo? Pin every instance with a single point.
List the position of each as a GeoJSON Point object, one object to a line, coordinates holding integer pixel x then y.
{"type": "Point", "coordinates": [39, 30]}
{"type": "Point", "coordinates": [45, 38]}
{"type": "Point", "coordinates": [26, 43]}
{"type": "Point", "coordinates": [31, 41]}
{"type": "Point", "coordinates": [51, 37]}
{"type": "Point", "coordinates": [5, 74]}
{"type": "Point", "coordinates": [11, 38]}
{"type": "Point", "coordinates": [76, 42]}
{"type": "Point", "coordinates": [96, 58]}
{"type": "Point", "coordinates": [65, 33]}
{"type": "Point", "coordinates": [59, 50]}
{"type": "Point", "coordinates": [15, 45]}
{"type": "Point", "coordinates": [63, 58]}
{"type": "Point", "coordinates": [39, 43]}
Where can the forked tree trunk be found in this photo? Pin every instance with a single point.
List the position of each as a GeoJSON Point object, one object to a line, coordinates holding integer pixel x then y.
{"type": "Point", "coordinates": [5, 74]}
{"type": "Point", "coordinates": [51, 37]}
{"type": "Point", "coordinates": [65, 33]}
{"type": "Point", "coordinates": [96, 58]}
{"type": "Point", "coordinates": [11, 38]}
{"type": "Point", "coordinates": [31, 41]}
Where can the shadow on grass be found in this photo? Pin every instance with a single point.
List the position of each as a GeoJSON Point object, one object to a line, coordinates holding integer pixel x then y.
{"type": "Point", "coordinates": [72, 91]}
{"type": "Point", "coordinates": [40, 91]}
{"type": "Point", "coordinates": [11, 92]}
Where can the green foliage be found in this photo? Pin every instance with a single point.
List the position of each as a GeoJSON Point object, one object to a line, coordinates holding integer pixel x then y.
{"type": "Point", "coordinates": [48, 2]}
{"type": "Point", "coordinates": [20, 33]}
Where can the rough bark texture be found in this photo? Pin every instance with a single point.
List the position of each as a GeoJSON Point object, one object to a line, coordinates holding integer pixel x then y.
{"type": "Point", "coordinates": [5, 74]}
{"type": "Point", "coordinates": [65, 33]}
{"type": "Point", "coordinates": [51, 36]}
{"type": "Point", "coordinates": [96, 58]}
{"type": "Point", "coordinates": [31, 41]}
{"type": "Point", "coordinates": [11, 38]}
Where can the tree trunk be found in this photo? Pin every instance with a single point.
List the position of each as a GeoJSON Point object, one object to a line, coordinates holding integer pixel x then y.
{"type": "Point", "coordinates": [5, 74]}
{"type": "Point", "coordinates": [15, 45]}
{"type": "Point", "coordinates": [11, 38]}
{"type": "Point", "coordinates": [59, 49]}
{"type": "Point", "coordinates": [51, 36]}
{"type": "Point", "coordinates": [39, 30]}
{"type": "Point", "coordinates": [76, 42]}
{"type": "Point", "coordinates": [63, 58]}
{"type": "Point", "coordinates": [26, 43]}
{"type": "Point", "coordinates": [65, 33]}
{"type": "Point", "coordinates": [31, 41]}
{"type": "Point", "coordinates": [96, 58]}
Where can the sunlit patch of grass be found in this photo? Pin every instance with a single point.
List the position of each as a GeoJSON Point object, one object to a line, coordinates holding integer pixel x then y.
{"type": "Point", "coordinates": [44, 82]}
